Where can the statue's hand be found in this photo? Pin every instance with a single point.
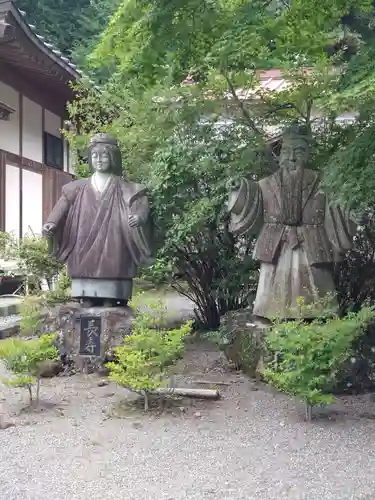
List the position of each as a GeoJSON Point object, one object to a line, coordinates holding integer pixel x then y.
{"type": "Point", "coordinates": [238, 193]}
{"type": "Point", "coordinates": [234, 184]}
{"type": "Point", "coordinates": [134, 220]}
{"type": "Point", "coordinates": [48, 230]}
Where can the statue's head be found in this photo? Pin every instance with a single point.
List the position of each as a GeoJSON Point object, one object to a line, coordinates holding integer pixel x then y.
{"type": "Point", "coordinates": [104, 154]}
{"type": "Point", "coordinates": [294, 153]}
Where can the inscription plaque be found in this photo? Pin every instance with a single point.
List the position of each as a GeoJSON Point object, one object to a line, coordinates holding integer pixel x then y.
{"type": "Point", "coordinates": [91, 327]}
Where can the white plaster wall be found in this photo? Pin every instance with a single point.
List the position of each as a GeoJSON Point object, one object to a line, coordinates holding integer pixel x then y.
{"type": "Point", "coordinates": [32, 133]}
{"type": "Point", "coordinates": [10, 130]}
{"type": "Point", "coordinates": [32, 202]}
{"type": "Point", "coordinates": [12, 199]}
{"type": "Point", "coordinates": [52, 123]}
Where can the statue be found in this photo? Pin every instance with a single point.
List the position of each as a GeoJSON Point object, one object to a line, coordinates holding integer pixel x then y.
{"type": "Point", "coordinates": [301, 234]}
{"type": "Point", "coordinates": [101, 227]}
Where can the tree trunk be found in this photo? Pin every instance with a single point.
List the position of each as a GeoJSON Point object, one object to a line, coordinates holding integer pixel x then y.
{"type": "Point", "coordinates": [29, 387]}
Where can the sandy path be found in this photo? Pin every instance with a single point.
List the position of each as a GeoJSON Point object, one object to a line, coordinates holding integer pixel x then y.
{"type": "Point", "coordinates": [253, 444]}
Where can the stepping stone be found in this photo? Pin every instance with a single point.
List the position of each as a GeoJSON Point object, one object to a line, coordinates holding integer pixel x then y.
{"type": "Point", "coordinates": [9, 326]}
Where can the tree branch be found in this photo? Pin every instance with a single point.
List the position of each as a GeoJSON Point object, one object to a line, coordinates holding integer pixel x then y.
{"type": "Point", "coordinates": [242, 107]}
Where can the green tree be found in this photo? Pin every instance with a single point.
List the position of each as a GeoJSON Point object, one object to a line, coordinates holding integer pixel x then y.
{"type": "Point", "coordinates": [74, 26]}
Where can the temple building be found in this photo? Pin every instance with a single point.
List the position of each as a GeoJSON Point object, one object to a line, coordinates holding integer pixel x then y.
{"type": "Point", "coordinates": [34, 91]}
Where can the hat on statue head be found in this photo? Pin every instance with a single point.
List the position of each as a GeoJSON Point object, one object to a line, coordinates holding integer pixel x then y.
{"type": "Point", "coordinates": [103, 138]}
{"type": "Point", "coordinates": [297, 131]}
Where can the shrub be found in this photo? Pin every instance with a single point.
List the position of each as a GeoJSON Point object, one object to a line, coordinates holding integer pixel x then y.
{"type": "Point", "coordinates": [141, 363]}
{"type": "Point", "coordinates": [32, 258]}
{"type": "Point", "coordinates": [309, 355]}
{"type": "Point", "coordinates": [187, 183]}
{"type": "Point", "coordinates": [35, 261]}
{"type": "Point", "coordinates": [24, 360]}
{"type": "Point", "coordinates": [8, 246]}
{"type": "Point", "coordinates": [355, 276]}
{"type": "Point", "coordinates": [31, 317]}
{"type": "Point", "coordinates": [63, 290]}
{"type": "Point", "coordinates": [159, 273]}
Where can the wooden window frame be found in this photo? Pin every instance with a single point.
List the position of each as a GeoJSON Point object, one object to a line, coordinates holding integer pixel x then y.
{"type": "Point", "coordinates": [47, 160]}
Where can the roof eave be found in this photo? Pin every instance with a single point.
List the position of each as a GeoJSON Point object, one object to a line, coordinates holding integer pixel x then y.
{"type": "Point", "coordinates": [8, 7]}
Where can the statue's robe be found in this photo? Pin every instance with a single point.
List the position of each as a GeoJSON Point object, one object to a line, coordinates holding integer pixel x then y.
{"type": "Point", "coordinates": [301, 236]}
{"type": "Point", "coordinates": [94, 238]}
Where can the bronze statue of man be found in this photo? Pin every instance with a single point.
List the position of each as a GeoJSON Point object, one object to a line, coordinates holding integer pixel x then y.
{"type": "Point", "coordinates": [301, 235]}
{"type": "Point", "coordinates": [101, 227]}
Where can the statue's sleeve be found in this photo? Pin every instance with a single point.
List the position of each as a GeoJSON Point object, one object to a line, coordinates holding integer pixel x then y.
{"type": "Point", "coordinates": [59, 216]}
{"type": "Point", "coordinates": [59, 211]}
{"type": "Point", "coordinates": [246, 208]}
{"type": "Point", "coordinates": [340, 228]}
{"type": "Point", "coordinates": [142, 236]}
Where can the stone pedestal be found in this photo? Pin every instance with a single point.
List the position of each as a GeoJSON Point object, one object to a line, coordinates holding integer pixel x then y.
{"type": "Point", "coordinates": [87, 336]}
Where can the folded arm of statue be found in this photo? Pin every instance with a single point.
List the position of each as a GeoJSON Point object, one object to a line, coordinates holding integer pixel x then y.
{"type": "Point", "coordinates": [141, 229]}
{"type": "Point", "coordinates": [245, 206]}
{"type": "Point", "coordinates": [52, 227]}
{"type": "Point", "coordinates": [341, 224]}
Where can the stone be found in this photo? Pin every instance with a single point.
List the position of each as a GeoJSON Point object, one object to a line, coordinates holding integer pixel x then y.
{"type": "Point", "coordinates": [101, 227]}
{"type": "Point", "coordinates": [49, 368]}
{"type": "Point", "coordinates": [66, 319]}
{"type": "Point", "coordinates": [5, 425]}
{"type": "Point", "coordinates": [301, 235]}
{"type": "Point", "coordinates": [9, 326]}
{"type": "Point", "coordinates": [243, 345]}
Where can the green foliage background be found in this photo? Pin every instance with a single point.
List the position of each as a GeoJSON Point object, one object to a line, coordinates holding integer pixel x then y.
{"type": "Point", "coordinates": [172, 77]}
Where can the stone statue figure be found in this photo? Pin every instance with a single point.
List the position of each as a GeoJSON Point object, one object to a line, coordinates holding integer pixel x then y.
{"type": "Point", "coordinates": [300, 233]}
{"type": "Point", "coordinates": [101, 227]}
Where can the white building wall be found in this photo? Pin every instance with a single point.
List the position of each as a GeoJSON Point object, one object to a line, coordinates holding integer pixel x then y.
{"type": "Point", "coordinates": [31, 133]}
{"type": "Point", "coordinates": [32, 130]}
{"type": "Point", "coordinates": [52, 123]}
{"type": "Point", "coordinates": [10, 130]}
{"type": "Point", "coordinates": [32, 202]}
{"type": "Point", "coordinates": [12, 199]}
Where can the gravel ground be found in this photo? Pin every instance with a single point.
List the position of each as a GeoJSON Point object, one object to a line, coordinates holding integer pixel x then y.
{"type": "Point", "coordinates": [87, 442]}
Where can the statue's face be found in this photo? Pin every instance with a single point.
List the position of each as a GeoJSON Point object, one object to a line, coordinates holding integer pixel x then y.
{"type": "Point", "coordinates": [294, 154]}
{"type": "Point", "coordinates": [100, 158]}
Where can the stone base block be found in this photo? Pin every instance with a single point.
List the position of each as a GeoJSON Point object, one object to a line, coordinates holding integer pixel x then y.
{"type": "Point", "coordinates": [87, 336]}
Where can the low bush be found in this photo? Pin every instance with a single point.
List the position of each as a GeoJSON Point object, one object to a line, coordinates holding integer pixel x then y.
{"type": "Point", "coordinates": [31, 317]}
{"type": "Point", "coordinates": [25, 358]}
{"type": "Point", "coordinates": [159, 273]}
{"type": "Point", "coordinates": [143, 362]}
{"type": "Point", "coordinates": [308, 356]}
{"type": "Point", "coordinates": [355, 275]}
{"type": "Point", "coordinates": [32, 258]}
{"type": "Point", "coordinates": [63, 290]}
